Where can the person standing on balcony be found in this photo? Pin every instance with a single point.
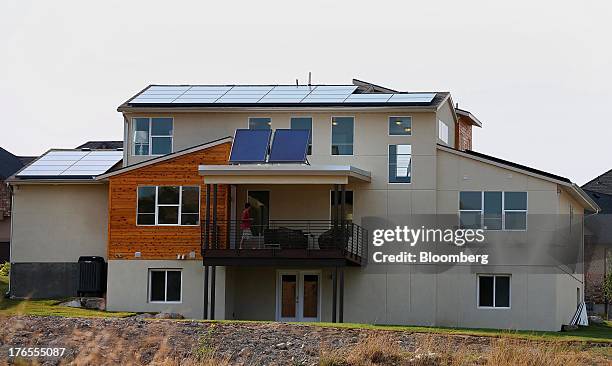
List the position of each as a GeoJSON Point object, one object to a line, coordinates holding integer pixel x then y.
{"type": "Point", "coordinates": [245, 224]}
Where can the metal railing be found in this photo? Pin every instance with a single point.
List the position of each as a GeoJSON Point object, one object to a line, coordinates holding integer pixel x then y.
{"type": "Point", "coordinates": [285, 234]}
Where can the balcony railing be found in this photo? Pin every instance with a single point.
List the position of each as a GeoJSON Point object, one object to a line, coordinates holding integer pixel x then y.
{"type": "Point", "coordinates": [280, 238]}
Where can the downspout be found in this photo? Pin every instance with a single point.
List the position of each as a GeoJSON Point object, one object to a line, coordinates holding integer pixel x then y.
{"type": "Point", "coordinates": [126, 143]}
{"type": "Point", "coordinates": [12, 213]}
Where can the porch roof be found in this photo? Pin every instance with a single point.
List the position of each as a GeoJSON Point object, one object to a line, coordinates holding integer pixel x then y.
{"type": "Point", "coordinates": [282, 174]}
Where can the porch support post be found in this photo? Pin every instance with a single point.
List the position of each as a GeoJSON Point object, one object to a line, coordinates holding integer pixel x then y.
{"type": "Point", "coordinates": [343, 205]}
{"type": "Point", "coordinates": [335, 208]}
{"type": "Point", "coordinates": [335, 293]}
{"type": "Point", "coordinates": [205, 292]}
{"type": "Point", "coordinates": [341, 300]}
{"type": "Point", "coordinates": [212, 291]}
{"type": "Point", "coordinates": [215, 237]}
{"type": "Point", "coordinates": [207, 219]}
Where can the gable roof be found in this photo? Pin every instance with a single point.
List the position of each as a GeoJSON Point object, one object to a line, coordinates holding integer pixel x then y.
{"type": "Point", "coordinates": [164, 158]}
{"type": "Point", "coordinates": [9, 164]}
{"type": "Point", "coordinates": [573, 189]}
{"type": "Point", "coordinates": [602, 183]}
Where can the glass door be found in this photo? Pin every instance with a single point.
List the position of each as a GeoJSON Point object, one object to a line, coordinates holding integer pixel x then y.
{"type": "Point", "coordinates": [260, 210]}
{"type": "Point", "coordinates": [298, 296]}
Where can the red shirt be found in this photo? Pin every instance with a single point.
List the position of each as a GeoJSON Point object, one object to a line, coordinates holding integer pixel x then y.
{"type": "Point", "coordinates": [246, 219]}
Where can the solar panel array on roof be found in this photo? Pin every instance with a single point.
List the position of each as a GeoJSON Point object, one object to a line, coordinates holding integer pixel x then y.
{"type": "Point", "coordinates": [289, 146]}
{"type": "Point", "coordinates": [250, 146]}
{"type": "Point", "coordinates": [71, 163]}
{"type": "Point", "coordinates": [281, 94]}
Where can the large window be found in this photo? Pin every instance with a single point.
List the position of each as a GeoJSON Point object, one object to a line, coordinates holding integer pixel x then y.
{"type": "Point", "coordinates": [260, 123]}
{"type": "Point", "coordinates": [168, 205]}
{"type": "Point", "coordinates": [303, 123]}
{"type": "Point", "coordinates": [165, 285]}
{"type": "Point", "coordinates": [152, 136]}
{"type": "Point", "coordinates": [400, 163]}
{"type": "Point", "coordinates": [494, 291]}
{"type": "Point", "coordinates": [342, 135]}
{"type": "Point", "coordinates": [493, 210]}
{"type": "Point", "coordinates": [400, 126]}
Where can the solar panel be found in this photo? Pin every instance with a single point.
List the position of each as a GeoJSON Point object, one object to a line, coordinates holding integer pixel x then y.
{"type": "Point", "coordinates": [289, 146]}
{"type": "Point", "coordinates": [58, 163]}
{"type": "Point", "coordinates": [286, 94]}
{"type": "Point", "coordinates": [329, 94]}
{"type": "Point", "coordinates": [412, 98]}
{"type": "Point", "coordinates": [368, 98]}
{"type": "Point", "coordinates": [245, 94]}
{"type": "Point", "coordinates": [250, 146]}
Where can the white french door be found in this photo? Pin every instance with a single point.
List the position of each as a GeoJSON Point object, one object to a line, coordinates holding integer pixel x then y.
{"type": "Point", "coordinates": [298, 296]}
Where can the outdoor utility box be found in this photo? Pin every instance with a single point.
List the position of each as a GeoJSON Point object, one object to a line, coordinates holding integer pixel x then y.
{"type": "Point", "coordinates": [92, 276]}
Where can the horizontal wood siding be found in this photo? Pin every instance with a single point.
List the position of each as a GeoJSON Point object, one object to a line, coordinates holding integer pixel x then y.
{"type": "Point", "coordinates": [161, 242]}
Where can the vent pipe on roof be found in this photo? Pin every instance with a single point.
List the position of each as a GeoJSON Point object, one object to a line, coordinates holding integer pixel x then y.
{"type": "Point", "coordinates": [309, 78]}
{"type": "Point", "coordinates": [297, 83]}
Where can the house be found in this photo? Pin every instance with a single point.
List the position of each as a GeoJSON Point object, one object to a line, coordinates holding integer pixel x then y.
{"type": "Point", "coordinates": [9, 164]}
{"type": "Point", "coordinates": [169, 217]}
{"type": "Point", "coordinates": [598, 242]}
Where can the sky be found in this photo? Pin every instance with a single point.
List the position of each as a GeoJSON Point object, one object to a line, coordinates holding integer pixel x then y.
{"type": "Point", "coordinates": [537, 73]}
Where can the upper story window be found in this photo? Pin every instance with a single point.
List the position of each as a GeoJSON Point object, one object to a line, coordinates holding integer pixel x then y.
{"type": "Point", "coordinates": [343, 130]}
{"type": "Point", "coordinates": [493, 210]}
{"type": "Point", "coordinates": [443, 131]}
{"type": "Point", "coordinates": [400, 163]}
{"type": "Point", "coordinates": [303, 123]}
{"type": "Point", "coordinates": [152, 136]}
{"type": "Point", "coordinates": [260, 123]}
{"type": "Point", "coordinates": [400, 126]}
{"type": "Point", "coordinates": [168, 205]}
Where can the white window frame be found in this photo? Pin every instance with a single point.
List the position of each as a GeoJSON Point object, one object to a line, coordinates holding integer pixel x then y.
{"type": "Point", "coordinates": [447, 129]}
{"type": "Point", "coordinates": [249, 121]}
{"type": "Point", "coordinates": [151, 136]}
{"type": "Point", "coordinates": [494, 275]}
{"type": "Point", "coordinates": [503, 211]}
{"type": "Point", "coordinates": [165, 270]}
{"type": "Point", "coordinates": [311, 144]}
{"type": "Point", "coordinates": [389, 129]}
{"type": "Point", "coordinates": [331, 135]}
{"type": "Point", "coordinates": [389, 161]}
{"type": "Point", "coordinates": [180, 206]}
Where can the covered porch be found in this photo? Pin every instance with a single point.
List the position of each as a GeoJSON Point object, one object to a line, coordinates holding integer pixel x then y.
{"type": "Point", "coordinates": [301, 226]}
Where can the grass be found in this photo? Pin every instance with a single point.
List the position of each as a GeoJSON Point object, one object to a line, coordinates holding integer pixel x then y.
{"type": "Point", "coordinates": [47, 307]}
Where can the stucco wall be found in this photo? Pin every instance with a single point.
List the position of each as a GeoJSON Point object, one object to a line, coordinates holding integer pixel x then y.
{"type": "Point", "coordinates": [59, 223]}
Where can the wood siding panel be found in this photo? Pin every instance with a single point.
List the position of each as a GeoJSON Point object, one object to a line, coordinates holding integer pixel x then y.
{"type": "Point", "coordinates": [161, 242]}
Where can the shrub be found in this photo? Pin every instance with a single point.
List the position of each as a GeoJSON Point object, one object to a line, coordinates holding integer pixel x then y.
{"type": "Point", "coordinates": [5, 269]}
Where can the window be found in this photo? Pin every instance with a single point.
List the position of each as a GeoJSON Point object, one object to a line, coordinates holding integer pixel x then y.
{"type": "Point", "coordinates": [303, 123]}
{"type": "Point", "coordinates": [260, 123]}
{"type": "Point", "coordinates": [494, 291]}
{"type": "Point", "coordinates": [348, 205]}
{"type": "Point", "coordinates": [152, 136]}
{"type": "Point", "coordinates": [400, 166]}
{"type": "Point", "coordinates": [342, 135]}
{"type": "Point", "coordinates": [169, 205]}
{"type": "Point", "coordinates": [164, 285]}
{"type": "Point", "coordinates": [400, 126]}
{"type": "Point", "coordinates": [443, 131]}
{"type": "Point", "coordinates": [500, 211]}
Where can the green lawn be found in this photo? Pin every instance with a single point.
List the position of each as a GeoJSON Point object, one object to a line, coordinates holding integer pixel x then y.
{"type": "Point", "coordinates": [46, 307]}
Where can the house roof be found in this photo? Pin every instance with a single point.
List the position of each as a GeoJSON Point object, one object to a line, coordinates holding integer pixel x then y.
{"type": "Point", "coordinates": [164, 158]}
{"type": "Point", "coordinates": [468, 115]}
{"type": "Point", "coordinates": [9, 164]}
{"type": "Point", "coordinates": [358, 94]}
{"type": "Point", "coordinates": [102, 145]}
{"type": "Point", "coordinates": [602, 183]}
{"type": "Point", "coordinates": [603, 200]}
{"type": "Point", "coordinates": [573, 189]}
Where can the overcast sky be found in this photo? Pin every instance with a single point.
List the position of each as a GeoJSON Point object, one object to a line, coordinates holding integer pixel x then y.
{"type": "Point", "coordinates": [538, 74]}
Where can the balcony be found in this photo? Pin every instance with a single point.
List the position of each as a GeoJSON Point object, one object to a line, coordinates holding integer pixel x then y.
{"type": "Point", "coordinates": [284, 242]}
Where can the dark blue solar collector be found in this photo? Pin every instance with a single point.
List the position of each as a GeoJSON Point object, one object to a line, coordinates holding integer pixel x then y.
{"type": "Point", "coordinates": [250, 146]}
{"type": "Point", "coordinates": [289, 146]}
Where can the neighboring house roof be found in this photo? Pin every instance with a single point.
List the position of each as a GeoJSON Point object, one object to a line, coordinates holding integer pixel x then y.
{"type": "Point", "coordinates": [25, 160]}
{"type": "Point", "coordinates": [102, 145]}
{"type": "Point", "coordinates": [165, 157]}
{"type": "Point", "coordinates": [468, 115]}
{"type": "Point", "coordinates": [603, 200]}
{"type": "Point", "coordinates": [68, 165]}
{"type": "Point", "coordinates": [572, 188]}
{"type": "Point", "coordinates": [9, 164]}
{"type": "Point", "coordinates": [601, 183]}
{"type": "Point", "coordinates": [358, 94]}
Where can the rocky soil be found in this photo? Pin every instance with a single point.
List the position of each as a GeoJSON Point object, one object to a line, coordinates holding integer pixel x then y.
{"type": "Point", "coordinates": [144, 341]}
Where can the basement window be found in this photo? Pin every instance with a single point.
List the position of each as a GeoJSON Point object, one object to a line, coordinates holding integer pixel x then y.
{"type": "Point", "coordinates": [494, 291]}
{"type": "Point", "coordinates": [165, 285]}
{"type": "Point", "coordinates": [168, 205]}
